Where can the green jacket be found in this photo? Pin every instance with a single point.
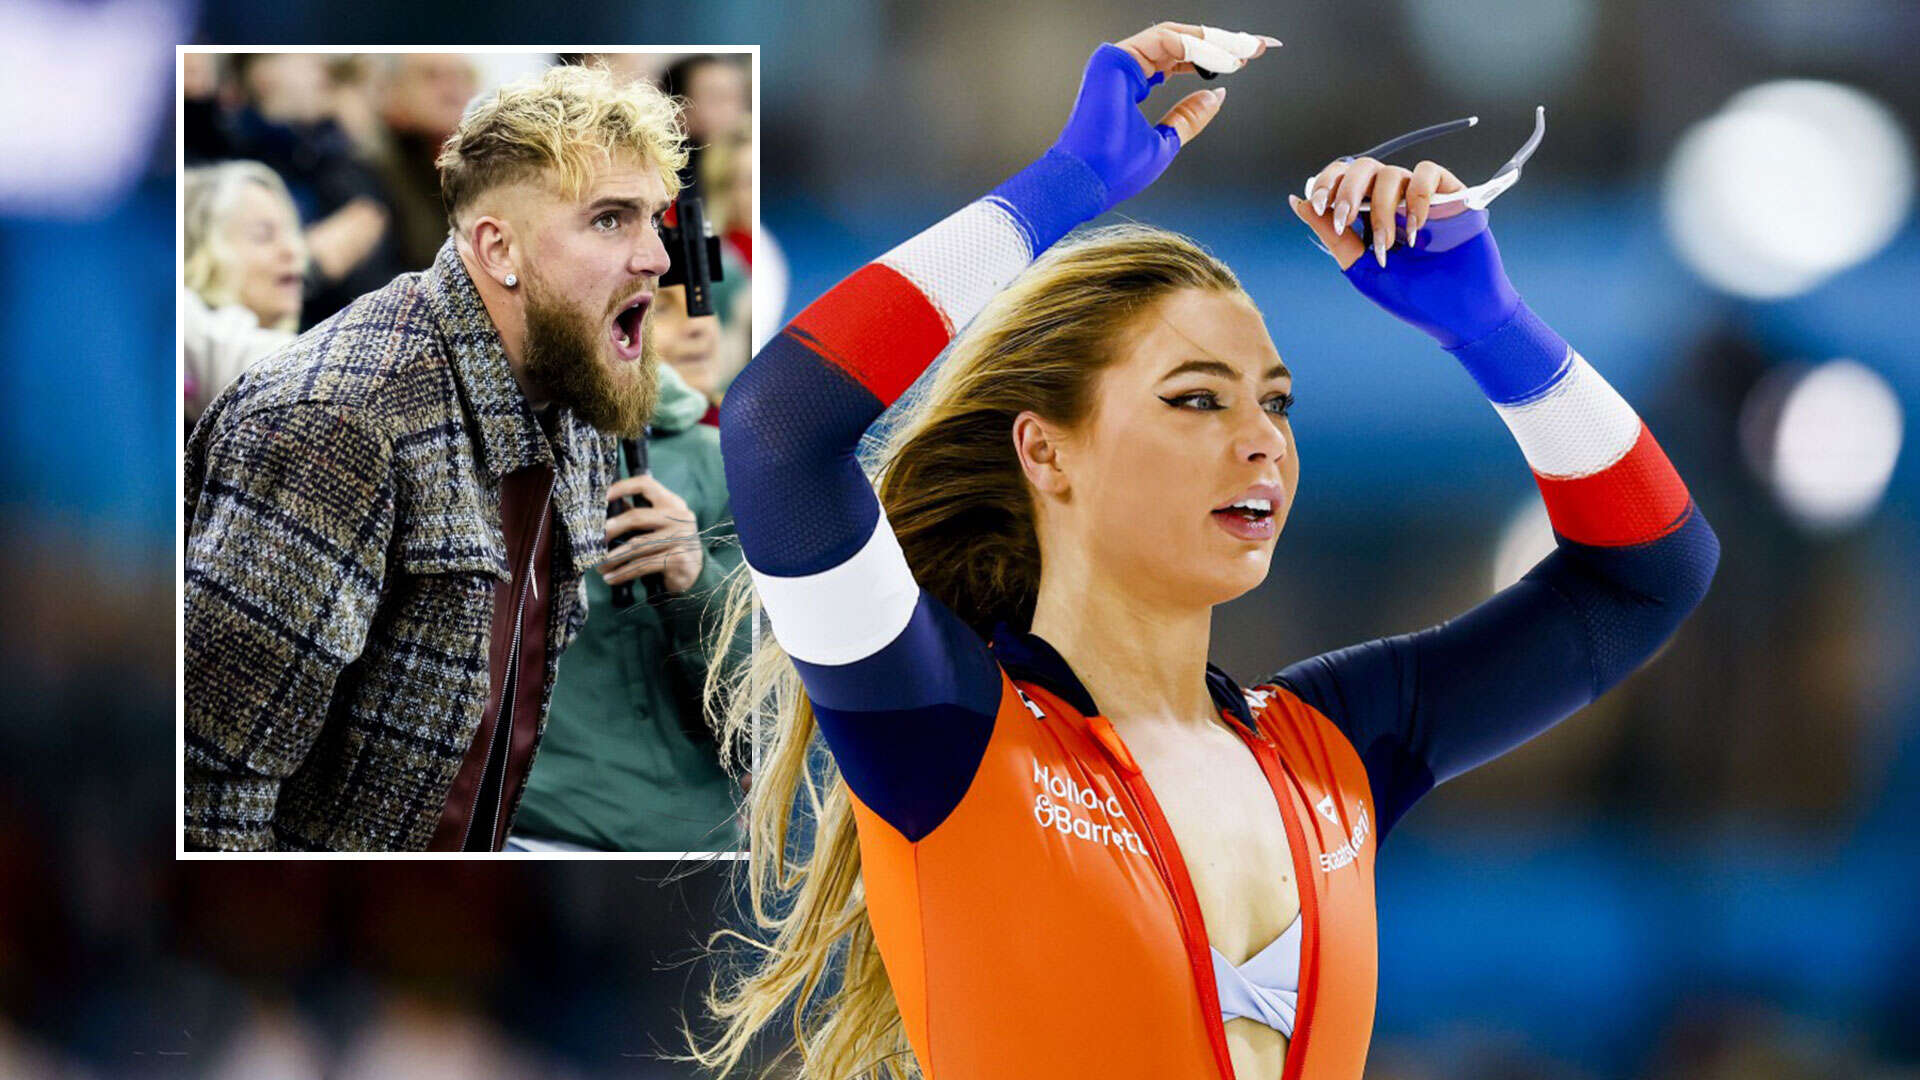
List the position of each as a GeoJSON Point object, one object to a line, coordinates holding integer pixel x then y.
{"type": "Point", "coordinates": [628, 763]}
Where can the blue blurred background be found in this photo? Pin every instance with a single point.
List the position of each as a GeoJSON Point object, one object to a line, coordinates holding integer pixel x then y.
{"type": "Point", "coordinates": [1711, 873]}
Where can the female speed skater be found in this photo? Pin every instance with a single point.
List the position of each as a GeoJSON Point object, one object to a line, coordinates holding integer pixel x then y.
{"type": "Point", "coordinates": [1054, 841]}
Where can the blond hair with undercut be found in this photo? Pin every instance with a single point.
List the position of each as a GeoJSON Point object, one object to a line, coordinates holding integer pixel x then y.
{"type": "Point", "coordinates": [559, 127]}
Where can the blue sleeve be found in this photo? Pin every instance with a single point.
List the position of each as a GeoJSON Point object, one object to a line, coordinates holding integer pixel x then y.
{"type": "Point", "coordinates": [908, 724]}
{"type": "Point", "coordinates": [907, 719]}
{"type": "Point", "coordinates": [1424, 707]}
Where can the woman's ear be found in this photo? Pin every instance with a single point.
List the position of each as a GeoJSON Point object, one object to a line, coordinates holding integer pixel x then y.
{"type": "Point", "coordinates": [1037, 444]}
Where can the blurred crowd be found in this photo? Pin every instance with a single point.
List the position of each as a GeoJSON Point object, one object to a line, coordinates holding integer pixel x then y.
{"type": "Point", "coordinates": [311, 180]}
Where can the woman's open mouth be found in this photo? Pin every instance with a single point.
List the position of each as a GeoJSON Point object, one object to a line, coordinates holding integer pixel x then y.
{"type": "Point", "coordinates": [624, 331]}
{"type": "Point", "coordinates": [1247, 518]}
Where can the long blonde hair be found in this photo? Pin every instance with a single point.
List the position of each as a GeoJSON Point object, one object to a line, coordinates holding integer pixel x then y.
{"type": "Point", "coordinates": [955, 495]}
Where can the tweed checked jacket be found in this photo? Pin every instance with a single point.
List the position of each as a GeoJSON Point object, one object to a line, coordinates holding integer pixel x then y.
{"type": "Point", "coordinates": [343, 544]}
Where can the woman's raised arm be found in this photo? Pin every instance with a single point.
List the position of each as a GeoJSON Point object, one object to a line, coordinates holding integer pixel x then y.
{"type": "Point", "coordinates": [905, 693]}
{"type": "Point", "coordinates": [1634, 555]}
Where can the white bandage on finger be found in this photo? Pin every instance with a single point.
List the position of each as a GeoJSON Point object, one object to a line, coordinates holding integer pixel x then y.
{"type": "Point", "coordinates": [1219, 51]}
{"type": "Point", "coordinates": [1235, 42]}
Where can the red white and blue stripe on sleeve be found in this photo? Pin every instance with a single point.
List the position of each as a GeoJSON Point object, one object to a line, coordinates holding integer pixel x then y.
{"type": "Point", "coordinates": [905, 693]}
{"type": "Point", "coordinates": [1604, 479]}
{"type": "Point", "coordinates": [1634, 556]}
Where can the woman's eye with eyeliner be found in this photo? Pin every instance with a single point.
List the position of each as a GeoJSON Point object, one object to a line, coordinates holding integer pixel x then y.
{"type": "Point", "coordinates": [1283, 401]}
{"type": "Point", "coordinates": [1200, 400]}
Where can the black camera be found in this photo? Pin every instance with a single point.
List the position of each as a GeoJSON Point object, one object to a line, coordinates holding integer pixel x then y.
{"type": "Point", "coordinates": [694, 251]}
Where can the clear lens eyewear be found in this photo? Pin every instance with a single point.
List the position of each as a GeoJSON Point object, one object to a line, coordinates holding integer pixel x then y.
{"type": "Point", "coordinates": [1478, 196]}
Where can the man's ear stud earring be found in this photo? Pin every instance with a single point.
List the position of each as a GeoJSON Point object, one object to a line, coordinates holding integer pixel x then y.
{"type": "Point", "coordinates": [512, 280]}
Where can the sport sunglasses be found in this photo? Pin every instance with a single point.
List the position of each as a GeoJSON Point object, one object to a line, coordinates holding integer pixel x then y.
{"type": "Point", "coordinates": [1478, 196]}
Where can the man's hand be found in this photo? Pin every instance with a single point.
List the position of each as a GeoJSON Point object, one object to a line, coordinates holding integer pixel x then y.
{"type": "Point", "coordinates": [1446, 280]}
{"type": "Point", "coordinates": [660, 539]}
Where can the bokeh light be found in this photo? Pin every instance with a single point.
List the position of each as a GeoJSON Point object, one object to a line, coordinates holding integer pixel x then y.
{"type": "Point", "coordinates": [78, 159]}
{"type": "Point", "coordinates": [1826, 440]}
{"type": "Point", "coordinates": [1789, 184]}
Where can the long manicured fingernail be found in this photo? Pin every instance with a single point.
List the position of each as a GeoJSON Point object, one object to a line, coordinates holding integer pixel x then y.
{"type": "Point", "coordinates": [1380, 247]}
{"type": "Point", "coordinates": [1272, 42]}
{"type": "Point", "coordinates": [1413, 232]}
{"type": "Point", "coordinates": [1320, 201]}
{"type": "Point", "coordinates": [1219, 94]}
{"type": "Point", "coordinates": [1340, 212]}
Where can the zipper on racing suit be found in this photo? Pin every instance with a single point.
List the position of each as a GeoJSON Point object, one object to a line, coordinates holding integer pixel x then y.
{"type": "Point", "coordinates": [1281, 779]}
{"type": "Point", "coordinates": [1173, 874]}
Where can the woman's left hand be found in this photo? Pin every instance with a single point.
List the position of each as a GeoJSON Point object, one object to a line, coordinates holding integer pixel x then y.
{"type": "Point", "coordinates": [1446, 280]}
{"type": "Point", "coordinates": [1343, 185]}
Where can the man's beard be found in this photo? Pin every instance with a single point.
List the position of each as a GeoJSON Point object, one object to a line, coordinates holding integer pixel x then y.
{"type": "Point", "coordinates": [565, 347]}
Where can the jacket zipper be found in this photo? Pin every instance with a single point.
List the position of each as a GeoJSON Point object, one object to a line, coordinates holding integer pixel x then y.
{"type": "Point", "coordinates": [1278, 774]}
{"type": "Point", "coordinates": [1173, 874]}
{"type": "Point", "coordinates": [509, 689]}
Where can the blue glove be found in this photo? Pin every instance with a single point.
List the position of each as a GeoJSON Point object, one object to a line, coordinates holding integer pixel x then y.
{"type": "Point", "coordinates": [1106, 154]}
{"type": "Point", "coordinates": [1449, 284]}
{"type": "Point", "coordinates": [1107, 132]}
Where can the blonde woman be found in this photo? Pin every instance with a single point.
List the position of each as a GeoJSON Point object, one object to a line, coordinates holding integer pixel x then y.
{"type": "Point", "coordinates": [1059, 843]}
{"type": "Point", "coordinates": [241, 277]}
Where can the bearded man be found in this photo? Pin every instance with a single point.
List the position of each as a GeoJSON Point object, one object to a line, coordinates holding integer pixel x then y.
{"type": "Point", "coordinates": [388, 521]}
